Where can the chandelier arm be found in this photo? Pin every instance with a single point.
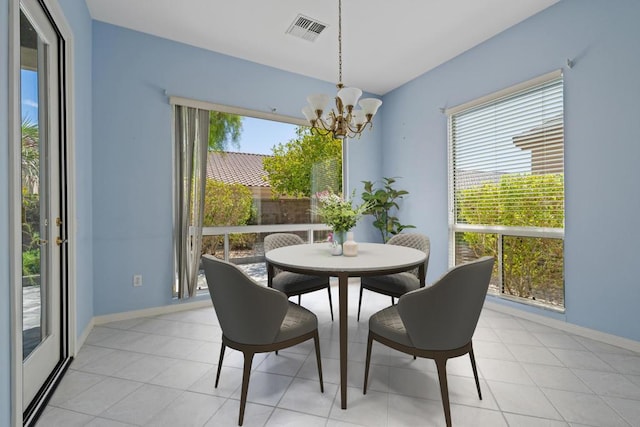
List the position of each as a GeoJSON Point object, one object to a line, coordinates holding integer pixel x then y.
{"type": "Point", "coordinates": [355, 129]}
{"type": "Point", "coordinates": [320, 125]}
{"type": "Point", "coordinates": [321, 130]}
{"type": "Point", "coordinates": [328, 127]}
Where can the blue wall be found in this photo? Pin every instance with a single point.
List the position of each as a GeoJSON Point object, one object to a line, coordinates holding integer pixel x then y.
{"type": "Point", "coordinates": [132, 149]}
{"type": "Point", "coordinates": [602, 145]}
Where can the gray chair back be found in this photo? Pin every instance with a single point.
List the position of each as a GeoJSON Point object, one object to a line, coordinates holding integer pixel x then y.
{"type": "Point", "coordinates": [444, 316]}
{"type": "Point", "coordinates": [278, 240]}
{"type": "Point", "coordinates": [248, 313]}
{"type": "Point", "coordinates": [413, 240]}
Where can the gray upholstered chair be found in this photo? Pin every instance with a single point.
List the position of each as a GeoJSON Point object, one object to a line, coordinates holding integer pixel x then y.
{"type": "Point", "coordinates": [436, 322]}
{"type": "Point", "coordinates": [294, 283]}
{"type": "Point", "coordinates": [397, 284]}
{"type": "Point", "coordinates": [255, 319]}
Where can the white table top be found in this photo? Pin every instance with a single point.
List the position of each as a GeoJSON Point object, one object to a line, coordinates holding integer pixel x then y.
{"type": "Point", "coordinates": [371, 257]}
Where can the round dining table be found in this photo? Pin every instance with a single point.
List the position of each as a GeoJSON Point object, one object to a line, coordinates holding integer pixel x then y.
{"type": "Point", "coordinates": [373, 259]}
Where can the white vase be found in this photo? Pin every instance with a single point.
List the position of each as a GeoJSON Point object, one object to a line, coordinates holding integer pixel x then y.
{"type": "Point", "coordinates": [350, 247]}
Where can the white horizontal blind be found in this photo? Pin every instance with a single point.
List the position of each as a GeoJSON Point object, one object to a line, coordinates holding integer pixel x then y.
{"type": "Point", "coordinates": [507, 159]}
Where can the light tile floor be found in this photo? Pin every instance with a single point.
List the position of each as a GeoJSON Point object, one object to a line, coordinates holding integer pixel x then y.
{"type": "Point", "coordinates": [159, 371]}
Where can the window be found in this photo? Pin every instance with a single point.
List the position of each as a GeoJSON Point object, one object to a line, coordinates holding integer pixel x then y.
{"type": "Point", "coordinates": [506, 184]}
{"type": "Point", "coordinates": [266, 178]}
{"type": "Point", "coordinates": [239, 176]}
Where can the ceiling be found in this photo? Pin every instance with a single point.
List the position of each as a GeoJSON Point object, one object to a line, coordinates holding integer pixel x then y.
{"type": "Point", "coordinates": [385, 43]}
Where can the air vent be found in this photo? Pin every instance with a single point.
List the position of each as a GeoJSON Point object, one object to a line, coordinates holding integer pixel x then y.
{"type": "Point", "coordinates": [306, 28]}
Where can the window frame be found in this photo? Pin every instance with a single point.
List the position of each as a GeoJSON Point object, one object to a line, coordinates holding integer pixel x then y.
{"type": "Point", "coordinates": [500, 230]}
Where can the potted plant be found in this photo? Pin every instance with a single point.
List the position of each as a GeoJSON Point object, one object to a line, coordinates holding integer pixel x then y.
{"type": "Point", "coordinates": [338, 213]}
{"type": "Point", "coordinates": [382, 202]}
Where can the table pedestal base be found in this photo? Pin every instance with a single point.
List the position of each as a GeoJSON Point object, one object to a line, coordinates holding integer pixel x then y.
{"type": "Point", "coordinates": [343, 287]}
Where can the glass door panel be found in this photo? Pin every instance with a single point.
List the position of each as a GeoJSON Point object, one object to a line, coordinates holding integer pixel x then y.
{"type": "Point", "coordinates": [34, 245]}
{"type": "Point", "coordinates": [40, 199]}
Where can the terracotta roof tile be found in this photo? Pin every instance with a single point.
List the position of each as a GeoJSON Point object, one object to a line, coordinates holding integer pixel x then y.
{"type": "Point", "coordinates": [237, 168]}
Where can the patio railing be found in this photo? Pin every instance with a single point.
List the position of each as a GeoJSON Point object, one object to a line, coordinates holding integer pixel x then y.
{"type": "Point", "coordinates": [309, 229]}
{"type": "Point", "coordinates": [254, 265]}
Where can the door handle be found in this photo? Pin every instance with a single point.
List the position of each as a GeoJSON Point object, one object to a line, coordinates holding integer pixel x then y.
{"type": "Point", "coordinates": [60, 241]}
{"type": "Point", "coordinates": [42, 242]}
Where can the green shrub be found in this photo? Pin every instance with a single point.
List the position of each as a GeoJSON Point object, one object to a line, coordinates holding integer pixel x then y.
{"type": "Point", "coordinates": [31, 262]}
{"type": "Point", "coordinates": [226, 205]}
{"type": "Point", "coordinates": [531, 266]}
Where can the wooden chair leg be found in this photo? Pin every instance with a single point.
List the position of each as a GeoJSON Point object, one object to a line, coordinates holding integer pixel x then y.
{"type": "Point", "coordinates": [367, 363]}
{"type": "Point", "coordinates": [246, 373]}
{"type": "Point", "coordinates": [330, 303]}
{"type": "Point", "coordinates": [359, 303]}
{"type": "Point", "coordinates": [316, 341]}
{"type": "Point", "coordinates": [441, 364]}
{"type": "Point", "coordinates": [393, 301]}
{"type": "Point", "coordinates": [299, 299]}
{"type": "Point", "coordinates": [220, 364]}
{"type": "Point", "coordinates": [475, 372]}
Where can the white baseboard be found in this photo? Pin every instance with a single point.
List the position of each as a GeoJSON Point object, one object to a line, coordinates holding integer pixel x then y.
{"type": "Point", "coordinates": [567, 327]}
{"type": "Point", "coordinates": [127, 315]}
{"type": "Point", "coordinates": [149, 312]}
{"type": "Point", "coordinates": [83, 337]}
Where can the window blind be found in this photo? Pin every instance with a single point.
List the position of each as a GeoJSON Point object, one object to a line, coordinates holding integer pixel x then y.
{"type": "Point", "coordinates": [507, 158]}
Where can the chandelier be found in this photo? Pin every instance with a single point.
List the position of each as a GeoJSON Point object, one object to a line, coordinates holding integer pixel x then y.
{"type": "Point", "coordinates": [344, 120]}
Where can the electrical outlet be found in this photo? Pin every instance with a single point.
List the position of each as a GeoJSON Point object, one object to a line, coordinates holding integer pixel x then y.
{"type": "Point", "coordinates": [137, 280]}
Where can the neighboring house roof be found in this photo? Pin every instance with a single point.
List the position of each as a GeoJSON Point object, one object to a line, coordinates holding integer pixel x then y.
{"type": "Point", "coordinates": [549, 132]}
{"type": "Point", "coordinates": [237, 168]}
{"type": "Point", "coordinates": [546, 143]}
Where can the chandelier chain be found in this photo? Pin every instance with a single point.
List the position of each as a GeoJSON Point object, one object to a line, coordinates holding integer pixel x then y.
{"type": "Point", "coordinates": [339, 42]}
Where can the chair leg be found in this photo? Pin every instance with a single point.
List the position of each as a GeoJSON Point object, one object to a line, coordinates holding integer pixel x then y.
{"type": "Point", "coordinates": [367, 363]}
{"type": "Point", "coordinates": [393, 301]}
{"type": "Point", "coordinates": [475, 371]}
{"type": "Point", "coordinates": [316, 341]}
{"type": "Point", "coordinates": [441, 364]}
{"type": "Point", "coordinates": [359, 303]}
{"type": "Point", "coordinates": [330, 303]}
{"type": "Point", "coordinates": [248, 359]}
{"type": "Point", "coordinates": [299, 299]}
{"type": "Point", "coordinates": [220, 364]}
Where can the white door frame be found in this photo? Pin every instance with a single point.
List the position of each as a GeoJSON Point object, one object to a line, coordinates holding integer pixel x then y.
{"type": "Point", "coordinates": [15, 237]}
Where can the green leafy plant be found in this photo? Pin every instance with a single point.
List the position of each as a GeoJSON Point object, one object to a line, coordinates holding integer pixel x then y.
{"type": "Point", "coordinates": [30, 155]}
{"type": "Point", "coordinates": [338, 213]}
{"type": "Point", "coordinates": [304, 165]}
{"type": "Point", "coordinates": [225, 205]}
{"type": "Point", "coordinates": [224, 131]}
{"type": "Point", "coordinates": [382, 203]}
{"type": "Point", "coordinates": [31, 265]}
